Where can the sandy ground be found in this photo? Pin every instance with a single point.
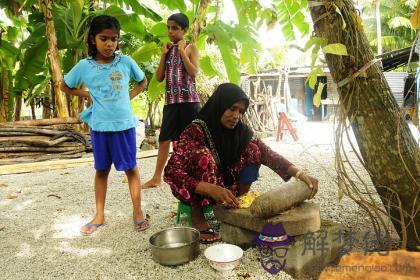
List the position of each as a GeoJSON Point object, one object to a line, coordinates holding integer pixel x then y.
{"type": "Point", "coordinates": [41, 213]}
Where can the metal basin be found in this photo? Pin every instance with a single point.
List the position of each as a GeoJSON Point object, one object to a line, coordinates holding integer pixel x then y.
{"type": "Point", "coordinates": [175, 245]}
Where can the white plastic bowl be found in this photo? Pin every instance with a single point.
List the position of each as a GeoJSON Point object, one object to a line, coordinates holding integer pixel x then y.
{"type": "Point", "coordinates": [224, 257]}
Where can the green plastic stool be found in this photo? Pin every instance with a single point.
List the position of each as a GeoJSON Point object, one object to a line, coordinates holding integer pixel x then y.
{"type": "Point", "coordinates": [184, 208]}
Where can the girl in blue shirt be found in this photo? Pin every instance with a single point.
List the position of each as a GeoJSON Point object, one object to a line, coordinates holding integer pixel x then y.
{"type": "Point", "coordinates": [106, 74]}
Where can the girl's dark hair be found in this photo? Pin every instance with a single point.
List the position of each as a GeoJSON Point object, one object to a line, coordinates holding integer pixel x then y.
{"type": "Point", "coordinates": [180, 19]}
{"type": "Point", "coordinates": [98, 24]}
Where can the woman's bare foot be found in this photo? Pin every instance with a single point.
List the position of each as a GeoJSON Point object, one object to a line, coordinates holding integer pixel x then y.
{"type": "Point", "coordinates": [207, 235]}
{"type": "Point", "coordinates": [152, 183]}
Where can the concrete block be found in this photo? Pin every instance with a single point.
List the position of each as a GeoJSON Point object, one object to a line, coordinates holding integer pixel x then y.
{"type": "Point", "coordinates": [236, 235]}
{"type": "Point", "coordinates": [310, 254]}
{"type": "Point", "coordinates": [296, 221]}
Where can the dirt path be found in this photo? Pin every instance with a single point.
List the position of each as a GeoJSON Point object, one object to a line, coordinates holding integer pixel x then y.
{"type": "Point", "coordinates": [41, 213]}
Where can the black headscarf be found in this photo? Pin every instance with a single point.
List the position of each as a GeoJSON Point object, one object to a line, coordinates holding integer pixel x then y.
{"type": "Point", "coordinates": [229, 143]}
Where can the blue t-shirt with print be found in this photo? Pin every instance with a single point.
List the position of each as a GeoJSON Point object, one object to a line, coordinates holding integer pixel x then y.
{"type": "Point", "coordinates": [108, 88]}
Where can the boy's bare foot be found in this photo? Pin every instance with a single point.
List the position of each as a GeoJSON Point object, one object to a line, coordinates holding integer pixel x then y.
{"type": "Point", "coordinates": [92, 226]}
{"type": "Point", "coordinates": [152, 183]}
{"type": "Point", "coordinates": [141, 221]}
{"type": "Point", "coordinates": [138, 215]}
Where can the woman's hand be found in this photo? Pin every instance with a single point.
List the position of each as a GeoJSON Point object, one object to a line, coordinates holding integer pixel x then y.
{"type": "Point", "coordinates": [224, 196]}
{"type": "Point", "coordinates": [218, 193]}
{"type": "Point", "coordinates": [311, 182]}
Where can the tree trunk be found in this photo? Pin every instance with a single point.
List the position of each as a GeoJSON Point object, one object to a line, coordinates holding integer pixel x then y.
{"type": "Point", "coordinates": [387, 146]}
{"type": "Point", "coordinates": [33, 112]}
{"type": "Point", "coordinates": [53, 54]}
{"type": "Point", "coordinates": [18, 106]}
{"type": "Point", "coordinates": [46, 107]}
{"type": "Point", "coordinates": [199, 19]}
{"type": "Point", "coordinates": [4, 98]}
{"type": "Point", "coordinates": [199, 22]}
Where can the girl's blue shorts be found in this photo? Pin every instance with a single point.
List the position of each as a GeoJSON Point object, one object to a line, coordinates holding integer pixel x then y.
{"type": "Point", "coordinates": [114, 147]}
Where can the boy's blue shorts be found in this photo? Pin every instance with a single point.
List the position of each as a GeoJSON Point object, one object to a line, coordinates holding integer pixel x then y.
{"type": "Point", "coordinates": [249, 174]}
{"type": "Point", "coordinates": [117, 147]}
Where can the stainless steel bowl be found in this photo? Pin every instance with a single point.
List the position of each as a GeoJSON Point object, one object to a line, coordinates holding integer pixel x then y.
{"type": "Point", "coordinates": [175, 245]}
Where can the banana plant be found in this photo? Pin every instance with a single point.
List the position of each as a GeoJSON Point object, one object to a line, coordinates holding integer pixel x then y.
{"type": "Point", "coordinates": [144, 32]}
{"type": "Point", "coordinates": [8, 57]}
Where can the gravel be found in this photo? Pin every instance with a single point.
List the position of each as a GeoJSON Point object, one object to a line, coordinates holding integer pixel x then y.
{"type": "Point", "coordinates": [41, 214]}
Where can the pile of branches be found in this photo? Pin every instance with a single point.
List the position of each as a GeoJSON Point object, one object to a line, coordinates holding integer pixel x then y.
{"type": "Point", "coordinates": [37, 140]}
{"type": "Point", "coordinates": [260, 115]}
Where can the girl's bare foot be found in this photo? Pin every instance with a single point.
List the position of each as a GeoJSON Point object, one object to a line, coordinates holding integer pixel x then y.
{"type": "Point", "coordinates": [92, 226]}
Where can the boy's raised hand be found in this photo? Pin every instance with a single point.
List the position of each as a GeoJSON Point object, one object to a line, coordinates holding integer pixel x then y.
{"type": "Point", "coordinates": [181, 45]}
{"type": "Point", "coordinates": [165, 48]}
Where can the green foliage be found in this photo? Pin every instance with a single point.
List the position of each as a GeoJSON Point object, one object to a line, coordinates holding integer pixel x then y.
{"type": "Point", "coordinates": [70, 25]}
{"type": "Point", "coordinates": [312, 76]}
{"type": "Point", "coordinates": [156, 89]}
{"type": "Point", "coordinates": [291, 18]}
{"type": "Point", "coordinates": [159, 30]}
{"type": "Point", "coordinates": [138, 8]}
{"type": "Point", "coordinates": [174, 4]}
{"type": "Point", "coordinates": [223, 35]}
{"type": "Point", "coordinates": [395, 26]}
{"type": "Point", "coordinates": [8, 55]}
{"type": "Point", "coordinates": [337, 49]}
{"type": "Point", "coordinates": [143, 33]}
{"type": "Point", "coordinates": [316, 43]}
{"type": "Point", "coordinates": [146, 52]}
{"type": "Point", "coordinates": [139, 106]}
{"type": "Point", "coordinates": [130, 23]}
{"type": "Point", "coordinates": [34, 50]}
{"type": "Point", "coordinates": [207, 67]}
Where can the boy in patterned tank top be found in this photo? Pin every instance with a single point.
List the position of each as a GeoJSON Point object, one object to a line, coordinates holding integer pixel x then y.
{"type": "Point", "coordinates": [179, 66]}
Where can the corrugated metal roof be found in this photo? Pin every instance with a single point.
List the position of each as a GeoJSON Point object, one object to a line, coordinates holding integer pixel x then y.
{"type": "Point", "coordinates": [296, 82]}
{"type": "Point", "coordinates": [396, 83]}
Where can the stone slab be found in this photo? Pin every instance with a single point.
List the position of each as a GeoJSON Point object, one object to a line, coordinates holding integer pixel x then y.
{"type": "Point", "coordinates": [296, 221]}
{"type": "Point", "coordinates": [304, 258]}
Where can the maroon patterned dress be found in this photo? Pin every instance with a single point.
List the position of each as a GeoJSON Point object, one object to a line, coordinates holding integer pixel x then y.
{"type": "Point", "coordinates": [192, 162]}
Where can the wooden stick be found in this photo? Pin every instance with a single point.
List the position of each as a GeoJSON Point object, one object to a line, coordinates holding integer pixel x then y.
{"type": "Point", "coordinates": [13, 133]}
{"type": "Point", "coordinates": [34, 142]}
{"type": "Point", "coordinates": [42, 131]}
{"type": "Point", "coordinates": [39, 158]}
{"type": "Point", "coordinates": [58, 164]}
{"type": "Point", "coordinates": [36, 149]}
{"type": "Point", "coordinates": [44, 122]}
{"type": "Point", "coordinates": [31, 144]}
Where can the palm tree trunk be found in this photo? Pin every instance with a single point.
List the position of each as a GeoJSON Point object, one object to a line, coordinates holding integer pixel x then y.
{"type": "Point", "coordinates": [389, 151]}
{"type": "Point", "coordinates": [53, 54]}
